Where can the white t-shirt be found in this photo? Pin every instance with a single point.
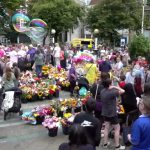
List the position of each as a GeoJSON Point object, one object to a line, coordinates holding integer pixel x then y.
{"type": "Point", "coordinates": [119, 65]}
{"type": "Point", "coordinates": [129, 78]}
{"type": "Point", "coordinates": [57, 52]}
{"type": "Point", "coordinates": [21, 53]}
{"type": "Point", "coordinates": [13, 57]}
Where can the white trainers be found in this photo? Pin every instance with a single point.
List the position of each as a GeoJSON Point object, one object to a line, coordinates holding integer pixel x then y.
{"type": "Point", "coordinates": [120, 147]}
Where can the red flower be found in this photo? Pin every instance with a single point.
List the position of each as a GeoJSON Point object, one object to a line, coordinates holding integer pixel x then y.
{"type": "Point", "coordinates": [51, 92]}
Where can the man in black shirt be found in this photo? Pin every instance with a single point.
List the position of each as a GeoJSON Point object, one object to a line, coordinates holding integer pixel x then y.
{"type": "Point", "coordinates": [90, 123]}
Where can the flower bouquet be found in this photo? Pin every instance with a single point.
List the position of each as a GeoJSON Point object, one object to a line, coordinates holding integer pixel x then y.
{"type": "Point", "coordinates": [37, 115]}
{"type": "Point", "coordinates": [52, 124]}
{"type": "Point", "coordinates": [45, 71]}
{"type": "Point", "coordinates": [66, 123]}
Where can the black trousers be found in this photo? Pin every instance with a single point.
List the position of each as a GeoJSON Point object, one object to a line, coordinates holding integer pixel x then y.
{"type": "Point", "coordinates": [72, 86]}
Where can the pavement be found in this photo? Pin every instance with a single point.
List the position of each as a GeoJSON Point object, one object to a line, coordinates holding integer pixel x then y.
{"type": "Point", "coordinates": [16, 135]}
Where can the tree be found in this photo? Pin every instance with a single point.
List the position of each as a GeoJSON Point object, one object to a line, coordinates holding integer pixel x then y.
{"type": "Point", "coordinates": [60, 15]}
{"type": "Point", "coordinates": [7, 8]}
{"type": "Point", "coordinates": [148, 2]}
{"type": "Point", "coordinates": [140, 46]}
{"type": "Point", "coordinates": [111, 15]}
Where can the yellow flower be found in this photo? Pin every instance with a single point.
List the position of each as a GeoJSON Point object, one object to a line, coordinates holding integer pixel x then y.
{"type": "Point", "coordinates": [40, 93]}
{"type": "Point", "coordinates": [74, 103]}
{"type": "Point", "coordinates": [29, 96]}
{"type": "Point", "coordinates": [67, 115]}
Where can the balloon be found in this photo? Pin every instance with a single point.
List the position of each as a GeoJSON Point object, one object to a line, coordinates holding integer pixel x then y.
{"type": "Point", "coordinates": [38, 23]}
{"type": "Point", "coordinates": [20, 22]}
{"type": "Point", "coordinates": [83, 91]}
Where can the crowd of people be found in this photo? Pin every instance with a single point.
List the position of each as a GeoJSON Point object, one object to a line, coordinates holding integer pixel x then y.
{"type": "Point", "coordinates": [111, 78]}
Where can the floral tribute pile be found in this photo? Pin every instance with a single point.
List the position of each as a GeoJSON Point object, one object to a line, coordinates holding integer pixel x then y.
{"type": "Point", "coordinates": [59, 74]}
{"type": "Point", "coordinates": [52, 80]}
{"type": "Point", "coordinates": [35, 88]}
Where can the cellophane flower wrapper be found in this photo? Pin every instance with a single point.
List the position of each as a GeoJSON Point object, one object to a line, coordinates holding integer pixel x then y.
{"type": "Point", "coordinates": [29, 118]}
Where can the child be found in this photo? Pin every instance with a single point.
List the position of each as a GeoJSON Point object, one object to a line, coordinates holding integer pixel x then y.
{"type": "Point", "coordinates": [140, 137]}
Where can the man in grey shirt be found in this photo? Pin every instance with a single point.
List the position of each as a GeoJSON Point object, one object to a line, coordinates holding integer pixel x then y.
{"type": "Point", "coordinates": [109, 111]}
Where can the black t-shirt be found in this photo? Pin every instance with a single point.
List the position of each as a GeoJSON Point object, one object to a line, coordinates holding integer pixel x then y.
{"type": "Point", "coordinates": [66, 146]}
{"type": "Point", "coordinates": [93, 91]}
{"type": "Point", "coordinates": [92, 126]}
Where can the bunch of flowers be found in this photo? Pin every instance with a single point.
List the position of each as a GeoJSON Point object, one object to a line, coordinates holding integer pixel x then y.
{"type": "Point", "coordinates": [40, 88]}
{"type": "Point", "coordinates": [43, 111]}
{"type": "Point", "coordinates": [37, 115]}
{"type": "Point", "coordinates": [51, 122]}
{"type": "Point", "coordinates": [65, 83]}
{"type": "Point", "coordinates": [28, 117]}
{"type": "Point", "coordinates": [70, 103]}
{"type": "Point", "coordinates": [120, 109]}
{"type": "Point", "coordinates": [67, 119]}
{"type": "Point", "coordinates": [45, 70]}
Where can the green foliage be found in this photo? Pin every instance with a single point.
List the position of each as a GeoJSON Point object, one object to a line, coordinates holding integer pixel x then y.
{"type": "Point", "coordinates": [7, 8]}
{"type": "Point", "coordinates": [111, 15]}
{"type": "Point", "coordinates": [140, 46]}
{"type": "Point", "coordinates": [148, 2]}
{"type": "Point", "coordinates": [11, 5]}
{"type": "Point", "coordinates": [60, 15]}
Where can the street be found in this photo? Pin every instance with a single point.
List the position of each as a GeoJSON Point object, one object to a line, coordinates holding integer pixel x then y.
{"type": "Point", "coordinates": [16, 135]}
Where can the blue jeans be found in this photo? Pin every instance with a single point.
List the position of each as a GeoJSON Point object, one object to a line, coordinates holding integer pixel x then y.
{"type": "Point", "coordinates": [38, 69]}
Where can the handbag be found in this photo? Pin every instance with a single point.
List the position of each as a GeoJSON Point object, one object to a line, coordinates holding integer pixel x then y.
{"type": "Point", "coordinates": [98, 103]}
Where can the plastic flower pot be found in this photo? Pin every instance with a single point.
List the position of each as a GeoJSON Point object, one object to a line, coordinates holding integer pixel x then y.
{"type": "Point", "coordinates": [39, 119]}
{"type": "Point", "coordinates": [77, 109]}
{"type": "Point", "coordinates": [53, 132]}
{"type": "Point", "coordinates": [65, 129]}
{"type": "Point", "coordinates": [69, 110]}
{"type": "Point", "coordinates": [84, 107]}
{"type": "Point", "coordinates": [34, 97]}
{"type": "Point", "coordinates": [60, 113]}
{"type": "Point", "coordinates": [56, 94]}
{"type": "Point", "coordinates": [24, 100]}
{"type": "Point", "coordinates": [50, 97]}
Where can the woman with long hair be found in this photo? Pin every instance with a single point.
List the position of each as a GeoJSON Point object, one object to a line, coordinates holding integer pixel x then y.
{"type": "Point", "coordinates": [8, 79]}
{"type": "Point", "coordinates": [78, 139]}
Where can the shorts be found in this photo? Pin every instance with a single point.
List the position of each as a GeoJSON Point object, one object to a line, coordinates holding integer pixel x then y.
{"type": "Point", "coordinates": [113, 120]}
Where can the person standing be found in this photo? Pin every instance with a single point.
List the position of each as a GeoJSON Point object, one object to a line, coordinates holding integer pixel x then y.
{"type": "Point", "coordinates": [140, 137]}
{"type": "Point", "coordinates": [39, 62]}
{"type": "Point", "coordinates": [13, 56]}
{"type": "Point", "coordinates": [57, 54]}
{"type": "Point", "coordinates": [62, 58]}
{"type": "Point", "coordinates": [105, 65]}
{"type": "Point", "coordinates": [48, 54]}
{"type": "Point", "coordinates": [21, 58]}
{"type": "Point", "coordinates": [16, 72]}
{"type": "Point", "coordinates": [8, 79]}
{"type": "Point", "coordinates": [109, 111]}
{"type": "Point", "coordinates": [91, 72]}
{"type": "Point", "coordinates": [78, 139]}
{"type": "Point", "coordinates": [72, 78]}
{"type": "Point", "coordinates": [118, 67]}
{"type": "Point", "coordinates": [30, 55]}
{"type": "Point", "coordinates": [90, 123]}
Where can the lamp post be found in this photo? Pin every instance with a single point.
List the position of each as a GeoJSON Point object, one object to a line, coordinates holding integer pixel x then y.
{"type": "Point", "coordinates": [142, 27]}
{"type": "Point", "coordinates": [53, 31]}
{"type": "Point", "coordinates": [96, 31]}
